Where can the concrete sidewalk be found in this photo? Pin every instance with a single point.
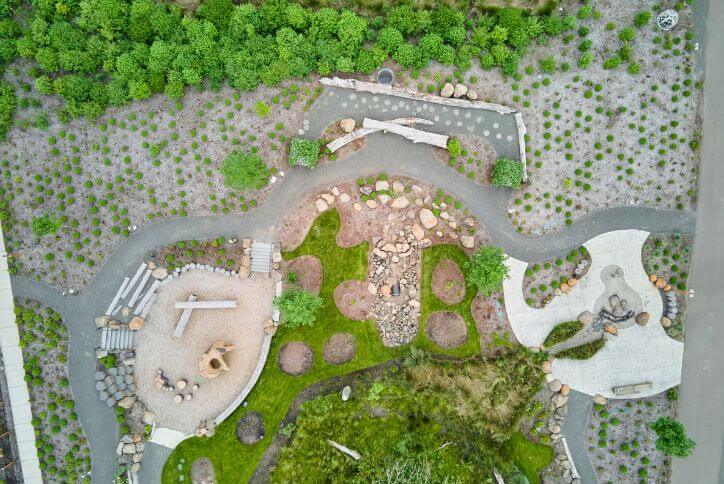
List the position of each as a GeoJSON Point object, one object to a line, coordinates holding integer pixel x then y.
{"type": "Point", "coordinates": [14, 374]}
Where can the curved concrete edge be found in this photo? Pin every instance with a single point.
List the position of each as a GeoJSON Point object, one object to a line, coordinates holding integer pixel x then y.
{"type": "Point", "coordinates": [638, 354]}
{"type": "Point", "coordinates": [266, 345]}
{"type": "Point", "coordinates": [13, 362]}
{"type": "Point", "coordinates": [376, 88]}
{"type": "Point", "coordinates": [171, 438]}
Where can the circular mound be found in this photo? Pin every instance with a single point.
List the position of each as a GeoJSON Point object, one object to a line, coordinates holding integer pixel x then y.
{"type": "Point", "coordinates": [448, 283]}
{"type": "Point", "coordinates": [446, 329]}
{"type": "Point", "coordinates": [308, 271]}
{"type": "Point", "coordinates": [250, 428]}
{"type": "Point", "coordinates": [202, 471]}
{"type": "Point", "coordinates": [339, 348]}
{"type": "Point", "coordinates": [354, 300]}
{"type": "Point", "coordinates": [295, 358]}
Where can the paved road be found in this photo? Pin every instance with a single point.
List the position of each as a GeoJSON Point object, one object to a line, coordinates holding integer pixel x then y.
{"type": "Point", "coordinates": [384, 153]}
{"type": "Point", "coordinates": [701, 404]}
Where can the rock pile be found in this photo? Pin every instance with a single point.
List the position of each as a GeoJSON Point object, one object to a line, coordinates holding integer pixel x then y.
{"type": "Point", "coordinates": [671, 308]}
{"type": "Point", "coordinates": [458, 91]}
{"type": "Point", "coordinates": [561, 465]}
{"type": "Point", "coordinates": [162, 383]}
{"type": "Point", "coordinates": [115, 385]}
{"type": "Point", "coordinates": [130, 451]}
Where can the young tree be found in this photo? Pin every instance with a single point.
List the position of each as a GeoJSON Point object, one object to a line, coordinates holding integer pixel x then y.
{"type": "Point", "coordinates": [487, 269]}
{"type": "Point", "coordinates": [244, 171]}
{"type": "Point", "coordinates": [672, 439]}
{"type": "Point", "coordinates": [298, 307]}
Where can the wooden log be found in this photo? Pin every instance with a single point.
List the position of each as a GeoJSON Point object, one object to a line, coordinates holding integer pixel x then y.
{"type": "Point", "coordinates": [146, 297]}
{"type": "Point", "coordinates": [414, 135]}
{"type": "Point", "coordinates": [134, 280]}
{"type": "Point", "coordinates": [359, 133]}
{"type": "Point", "coordinates": [344, 449]}
{"type": "Point", "coordinates": [205, 304]}
{"type": "Point", "coordinates": [140, 287]}
{"type": "Point", "coordinates": [117, 296]}
{"type": "Point", "coordinates": [185, 315]}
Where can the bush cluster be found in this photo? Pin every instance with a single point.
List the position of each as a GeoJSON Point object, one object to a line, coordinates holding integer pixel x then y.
{"type": "Point", "coordinates": [299, 307]}
{"type": "Point", "coordinates": [304, 152]}
{"type": "Point", "coordinates": [507, 173]}
{"type": "Point", "coordinates": [244, 171]}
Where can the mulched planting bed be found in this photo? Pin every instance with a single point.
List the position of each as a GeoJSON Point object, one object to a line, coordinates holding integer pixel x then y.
{"type": "Point", "coordinates": [202, 471]}
{"type": "Point", "coordinates": [491, 321]}
{"type": "Point", "coordinates": [340, 348]}
{"type": "Point", "coordinates": [448, 283]}
{"type": "Point", "coordinates": [295, 358]}
{"type": "Point", "coordinates": [217, 253]}
{"type": "Point", "coordinates": [353, 300]}
{"type": "Point", "coordinates": [307, 271]}
{"type": "Point", "coordinates": [446, 329]}
{"type": "Point", "coordinates": [250, 429]}
{"type": "Point", "coordinates": [542, 278]}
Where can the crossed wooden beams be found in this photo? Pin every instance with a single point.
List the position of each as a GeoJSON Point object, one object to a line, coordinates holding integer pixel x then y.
{"type": "Point", "coordinates": [192, 303]}
{"type": "Point", "coordinates": [399, 126]}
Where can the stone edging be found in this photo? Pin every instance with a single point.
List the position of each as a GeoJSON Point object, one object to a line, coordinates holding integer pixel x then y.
{"type": "Point", "coordinates": [21, 411]}
{"type": "Point", "coordinates": [375, 88]}
{"type": "Point", "coordinates": [574, 471]}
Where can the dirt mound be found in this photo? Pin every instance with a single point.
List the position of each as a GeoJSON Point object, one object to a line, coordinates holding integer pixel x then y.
{"type": "Point", "coordinates": [446, 329]}
{"type": "Point", "coordinates": [202, 471]}
{"type": "Point", "coordinates": [339, 348]}
{"type": "Point", "coordinates": [250, 428]}
{"type": "Point", "coordinates": [308, 273]}
{"type": "Point", "coordinates": [354, 300]}
{"type": "Point", "coordinates": [448, 283]}
{"type": "Point", "coordinates": [295, 358]}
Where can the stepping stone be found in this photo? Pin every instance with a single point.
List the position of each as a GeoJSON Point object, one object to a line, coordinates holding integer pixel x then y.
{"type": "Point", "coordinates": [99, 375]}
{"type": "Point", "coordinates": [100, 386]}
{"type": "Point", "coordinates": [103, 395]}
{"type": "Point", "coordinates": [112, 371]}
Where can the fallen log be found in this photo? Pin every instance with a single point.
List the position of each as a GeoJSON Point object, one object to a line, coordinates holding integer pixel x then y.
{"type": "Point", "coordinates": [359, 133]}
{"type": "Point", "coordinates": [414, 135]}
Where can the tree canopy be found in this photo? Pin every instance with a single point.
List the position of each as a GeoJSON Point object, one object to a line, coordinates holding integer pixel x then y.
{"type": "Point", "coordinates": [244, 171]}
{"type": "Point", "coordinates": [672, 439]}
{"type": "Point", "coordinates": [486, 269]}
{"type": "Point", "coordinates": [299, 307]}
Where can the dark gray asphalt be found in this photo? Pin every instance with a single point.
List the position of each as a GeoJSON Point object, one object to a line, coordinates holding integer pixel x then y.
{"type": "Point", "coordinates": [574, 429]}
{"type": "Point", "coordinates": [701, 406]}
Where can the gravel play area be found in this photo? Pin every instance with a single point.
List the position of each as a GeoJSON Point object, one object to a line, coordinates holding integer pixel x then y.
{"type": "Point", "coordinates": [178, 358]}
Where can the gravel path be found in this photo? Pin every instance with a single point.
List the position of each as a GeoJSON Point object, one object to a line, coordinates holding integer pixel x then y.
{"type": "Point", "coordinates": [383, 153]}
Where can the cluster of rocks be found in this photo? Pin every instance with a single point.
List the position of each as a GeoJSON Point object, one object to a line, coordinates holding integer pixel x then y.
{"type": "Point", "coordinates": [206, 428]}
{"type": "Point", "coordinates": [136, 323]}
{"type": "Point", "coordinates": [394, 280]}
{"type": "Point", "coordinates": [116, 386]}
{"type": "Point", "coordinates": [130, 452]}
{"type": "Point", "coordinates": [581, 268]}
{"type": "Point", "coordinates": [672, 306]}
{"type": "Point", "coordinates": [565, 287]}
{"type": "Point", "coordinates": [561, 465]}
{"type": "Point", "coordinates": [326, 199]}
{"type": "Point", "coordinates": [162, 383]}
{"type": "Point", "coordinates": [458, 91]}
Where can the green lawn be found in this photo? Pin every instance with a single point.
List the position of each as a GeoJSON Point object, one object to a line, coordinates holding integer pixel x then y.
{"type": "Point", "coordinates": [429, 303]}
{"type": "Point", "coordinates": [274, 392]}
{"type": "Point", "coordinates": [531, 458]}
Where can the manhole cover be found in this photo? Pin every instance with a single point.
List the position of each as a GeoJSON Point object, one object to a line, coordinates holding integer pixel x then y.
{"type": "Point", "coordinates": [385, 76]}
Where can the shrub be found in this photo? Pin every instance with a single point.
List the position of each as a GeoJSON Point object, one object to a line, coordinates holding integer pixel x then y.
{"type": "Point", "coordinates": [304, 152]}
{"type": "Point", "coordinates": [45, 225]}
{"type": "Point", "coordinates": [486, 269]}
{"type": "Point", "coordinates": [507, 173]}
{"type": "Point", "coordinates": [8, 105]}
{"type": "Point", "coordinates": [612, 62]}
{"type": "Point", "coordinates": [299, 307]}
{"type": "Point", "coordinates": [262, 109]}
{"type": "Point", "coordinates": [244, 171]}
{"type": "Point", "coordinates": [672, 439]}
{"type": "Point", "coordinates": [582, 352]}
{"type": "Point", "coordinates": [548, 64]}
{"type": "Point", "coordinates": [454, 147]}
{"type": "Point", "coordinates": [627, 35]}
{"type": "Point", "coordinates": [585, 59]}
{"type": "Point", "coordinates": [642, 18]}
{"type": "Point", "coordinates": [562, 332]}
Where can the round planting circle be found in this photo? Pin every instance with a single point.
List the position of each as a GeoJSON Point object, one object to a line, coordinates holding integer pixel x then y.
{"type": "Point", "coordinates": [446, 329]}
{"type": "Point", "coordinates": [339, 348]}
{"type": "Point", "coordinates": [250, 428]}
{"type": "Point", "coordinates": [295, 358]}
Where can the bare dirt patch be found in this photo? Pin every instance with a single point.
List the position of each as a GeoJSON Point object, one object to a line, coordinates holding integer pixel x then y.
{"type": "Point", "coordinates": [340, 348]}
{"type": "Point", "coordinates": [448, 283]}
{"type": "Point", "coordinates": [491, 320]}
{"type": "Point", "coordinates": [353, 300]}
{"type": "Point", "coordinates": [295, 358]}
{"type": "Point", "coordinates": [446, 329]}
{"type": "Point", "coordinates": [202, 471]}
{"type": "Point", "coordinates": [250, 428]}
{"type": "Point", "coordinates": [308, 273]}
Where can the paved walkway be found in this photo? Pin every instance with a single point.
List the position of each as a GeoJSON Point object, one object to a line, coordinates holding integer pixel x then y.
{"type": "Point", "coordinates": [22, 415]}
{"type": "Point", "coordinates": [574, 427]}
{"type": "Point", "coordinates": [383, 153]}
{"type": "Point", "coordinates": [701, 401]}
{"type": "Point", "coordinates": [638, 354]}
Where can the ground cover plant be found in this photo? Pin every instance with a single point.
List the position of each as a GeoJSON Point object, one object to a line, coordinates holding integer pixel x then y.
{"type": "Point", "coordinates": [62, 447]}
{"type": "Point", "coordinates": [562, 332]}
{"type": "Point", "coordinates": [622, 443]}
{"type": "Point", "coordinates": [436, 420]}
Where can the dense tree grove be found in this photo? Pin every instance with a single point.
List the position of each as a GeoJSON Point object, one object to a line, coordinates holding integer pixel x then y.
{"type": "Point", "coordinates": [99, 53]}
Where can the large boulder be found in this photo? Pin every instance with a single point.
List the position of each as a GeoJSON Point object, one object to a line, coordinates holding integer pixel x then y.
{"type": "Point", "coordinates": [586, 317]}
{"type": "Point", "coordinates": [427, 218]}
{"type": "Point", "coordinates": [460, 90]}
{"type": "Point", "coordinates": [447, 90]}
{"type": "Point", "coordinates": [642, 318]}
{"type": "Point", "coordinates": [136, 323]}
{"type": "Point", "coordinates": [467, 241]}
{"type": "Point", "coordinates": [347, 125]}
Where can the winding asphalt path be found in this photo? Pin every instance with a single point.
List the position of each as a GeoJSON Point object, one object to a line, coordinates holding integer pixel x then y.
{"type": "Point", "coordinates": [383, 153]}
{"type": "Point", "coordinates": [574, 429]}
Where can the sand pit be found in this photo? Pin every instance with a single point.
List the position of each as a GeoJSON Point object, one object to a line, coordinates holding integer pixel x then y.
{"type": "Point", "coordinates": [156, 348]}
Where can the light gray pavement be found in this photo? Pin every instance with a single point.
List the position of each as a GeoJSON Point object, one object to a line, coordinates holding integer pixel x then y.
{"type": "Point", "coordinates": [383, 153]}
{"type": "Point", "coordinates": [574, 429]}
{"type": "Point", "coordinates": [701, 401]}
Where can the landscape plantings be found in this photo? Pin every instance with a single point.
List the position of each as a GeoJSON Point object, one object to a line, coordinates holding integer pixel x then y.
{"type": "Point", "coordinates": [582, 352]}
{"type": "Point", "coordinates": [62, 447]}
{"type": "Point", "coordinates": [437, 419]}
{"type": "Point", "coordinates": [507, 173]}
{"type": "Point", "coordinates": [668, 256]}
{"type": "Point", "coordinates": [304, 152]}
{"type": "Point", "coordinates": [474, 158]}
{"type": "Point", "coordinates": [486, 269]}
{"type": "Point", "coordinates": [672, 439]}
{"type": "Point", "coordinates": [217, 252]}
{"type": "Point", "coordinates": [544, 277]}
{"type": "Point", "coordinates": [298, 307]}
{"type": "Point", "coordinates": [622, 443]}
{"type": "Point", "coordinates": [244, 171]}
{"type": "Point", "coordinates": [562, 332]}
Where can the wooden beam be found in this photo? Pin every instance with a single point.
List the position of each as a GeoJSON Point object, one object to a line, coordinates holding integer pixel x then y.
{"type": "Point", "coordinates": [205, 304]}
{"type": "Point", "coordinates": [359, 133]}
{"type": "Point", "coordinates": [415, 135]}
